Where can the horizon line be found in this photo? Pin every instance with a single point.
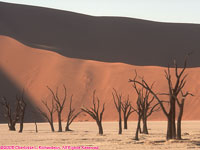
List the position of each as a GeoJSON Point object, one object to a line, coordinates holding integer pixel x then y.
{"type": "Point", "coordinates": [92, 15]}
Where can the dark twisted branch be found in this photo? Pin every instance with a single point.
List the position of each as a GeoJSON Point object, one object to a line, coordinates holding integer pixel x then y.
{"type": "Point", "coordinates": [127, 111]}
{"type": "Point", "coordinates": [59, 103]}
{"type": "Point", "coordinates": [51, 110]}
{"type": "Point", "coordinates": [117, 98]}
{"type": "Point", "coordinates": [94, 112]}
{"type": "Point", "coordinates": [71, 115]}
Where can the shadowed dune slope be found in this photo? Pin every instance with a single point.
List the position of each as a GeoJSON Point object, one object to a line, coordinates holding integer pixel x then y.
{"type": "Point", "coordinates": [34, 69]}
{"type": "Point", "coordinates": [10, 90]}
{"type": "Point", "coordinates": [107, 39]}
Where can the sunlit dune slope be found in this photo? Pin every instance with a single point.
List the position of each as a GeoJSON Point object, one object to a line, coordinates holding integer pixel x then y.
{"type": "Point", "coordinates": [34, 69]}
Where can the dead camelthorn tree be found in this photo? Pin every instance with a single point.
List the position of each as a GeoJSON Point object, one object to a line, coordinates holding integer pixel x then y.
{"type": "Point", "coordinates": [33, 114]}
{"type": "Point", "coordinates": [147, 111]}
{"type": "Point", "coordinates": [59, 105]}
{"type": "Point", "coordinates": [48, 116]}
{"type": "Point", "coordinates": [94, 112]}
{"type": "Point", "coordinates": [118, 104]}
{"type": "Point", "coordinates": [127, 111]}
{"type": "Point", "coordinates": [22, 108]}
{"type": "Point", "coordinates": [174, 90]}
{"type": "Point", "coordinates": [71, 115]}
{"type": "Point", "coordinates": [139, 112]}
{"type": "Point", "coordinates": [181, 106]}
{"type": "Point", "coordinates": [147, 105]}
{"type": "Point", "coordinates": [12, 117]}
{"type": "Point", "coordinates": [36, 128]}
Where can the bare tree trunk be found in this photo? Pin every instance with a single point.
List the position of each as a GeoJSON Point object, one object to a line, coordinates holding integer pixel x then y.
{"type": "Point", "coordinates": [22, 120]}
{"type": "Point", "coordinates": [145, 129]}
{"type": "Point", "coordinates": [118, 104]}
{"type": "Point", "coordinates": [59, 123]}
{"type": "Point", "coordinates": [52, 127]}
{"type": "Point", "coordinates": [22, 109]}
{"type": "Point", "coordinates": [145, 106]}
{"type": "Point", "coordinates": [100, 128]}
{"type": "Point", "coordinates": [67, 128]}
{"type": "Point", "coordinates": [12, 124]}
{"type": "Point", "coordinates": [120, 123]}
{"type": "Point", "coordinates": [49, 116]}
{"type": "Point", "coordinates": [140, 129]}
{"type": "Point", "coordinates": [127, 111]}
{"type": "Point", "coordinates": [171, 130]}
{"type": "Point", "coordinates": [71, 115]}
{"type": "Point", "coordinates": [137, 129]}
{"type": "Point", "coordinates": [125, 123]}
{"type": "Point", "coordinates": [59, 104]}
{"type": "Point", "coordinates": [12, 127]}
{"type": "Point", "coordinates": [179, 122]}
{"type": "Point", "coordinates": [94, 112]}
{"type": "Point", "coordinates": [174, 119]}
{"type": "Point", "coordinates": [21, 124]}
{"type": "Point", "coordinates": [36, 129]}
{"type": "Point", "coordinates": [181, 107]}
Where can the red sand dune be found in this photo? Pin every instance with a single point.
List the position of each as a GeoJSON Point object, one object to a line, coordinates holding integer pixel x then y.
{"type": "Point", "coordinates": [34, 69]}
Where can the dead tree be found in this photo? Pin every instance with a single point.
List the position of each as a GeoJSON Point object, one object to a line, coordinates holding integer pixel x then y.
{"type": "Point", "coordinates": [181, 106]}
{"type": "Point", "coordinates": [71, 115]}
{"type": "Point", "coordinates": [22, 108]}
{"type": "Point", "coordinates": [127, 111]}
{"type": "Point", "coordinates": [34, 118]}
{"type": "Point", "coordinates": [173, 93]}
{"type": "Point", "coordinates": [147, 105]}
{"type": "Point", "coordinates": [12, 118]}
{"type": "Point", "coordinates": [36, 128]}
{"type": "Point", "coordinates": [139, 112]}
{"type": "Point", "coordinates": [94, 112]}
{"type": "Point", "coordinates": [59, 105]}
{"type": "Point", "coordinates": [118, 104]}
{"type": "Point", "coordinates": [147, 111]}
{"type": "Point", "coordinates": [48, 116]}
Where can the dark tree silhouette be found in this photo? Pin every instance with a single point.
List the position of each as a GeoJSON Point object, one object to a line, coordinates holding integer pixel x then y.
{"type": "Point", "coordinates": [49, 114]}
{"type": "Point", "coordinates": [94, 112]}
{"type": "Point", "coordinates": [71, 115]}
{"type": "Point", "coordinates": [59, 105]}
{"type": "Point", "coordinates": [12, 117]}
{"type": "Point", "coordinates": [118, 104]}
{"type": "Point", "coordinates": [127, 111]}
{"type": "Point", "coordinates": [22, 108]}
{"type": "Point", "coordinates": [139, 112]}
{"type": "Point", "coordinates": [147, 105]}
{"type": "Point", "coordinates": [181, 106]}
{"type": "Point", "coordinates": [36, 128]}
{"type": "Point", "coordinates": [173, 93]}
{"type": "Point", "coordinates": [147, 111]}
{"type": "Point", "coordinates": [35, 118]}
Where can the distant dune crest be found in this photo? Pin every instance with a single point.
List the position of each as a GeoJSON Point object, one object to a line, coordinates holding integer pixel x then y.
{"type": "Point", "coordinates": [106, 39]}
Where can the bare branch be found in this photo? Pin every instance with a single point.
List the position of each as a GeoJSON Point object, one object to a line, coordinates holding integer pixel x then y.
{"type": "Point", "coordinates": [94, 112]}
{"type": "Point", "coordinates": [146, 86]}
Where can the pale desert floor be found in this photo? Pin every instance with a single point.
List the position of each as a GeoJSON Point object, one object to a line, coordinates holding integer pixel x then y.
{"type": "Point", "coordinates": [85, 134]}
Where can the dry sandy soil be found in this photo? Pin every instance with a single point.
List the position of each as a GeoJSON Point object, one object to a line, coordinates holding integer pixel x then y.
{"type": "Point", "coordinates": [85, 134]}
